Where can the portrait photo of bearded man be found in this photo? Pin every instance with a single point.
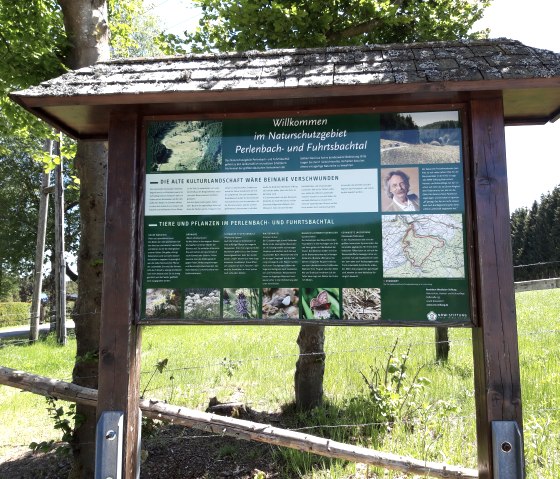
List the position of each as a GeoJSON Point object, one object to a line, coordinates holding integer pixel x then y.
{"type": "Point", "coordinates": [397, 185]}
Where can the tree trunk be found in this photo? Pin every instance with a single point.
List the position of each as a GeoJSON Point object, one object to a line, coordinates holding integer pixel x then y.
{"type": "Point", "coordinates": [85, 22]}
{"type": "Point", "coordinates": [91, 162]}
{"type": "Point", "coordinates": [442, 344]}
{"type": "Point", "coordinates": [310, 367]}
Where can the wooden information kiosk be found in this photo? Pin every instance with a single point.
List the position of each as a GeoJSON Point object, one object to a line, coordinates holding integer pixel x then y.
{"type": "Point", "coordinates": [393, 151]}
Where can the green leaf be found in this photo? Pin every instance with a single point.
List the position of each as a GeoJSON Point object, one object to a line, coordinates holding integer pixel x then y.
{"type": "Point", "coordinates": [307, 313]}
{"type": "Point", "coordinates": [161, 365]}
{"type": "Point", "coordinates": [246, 24]}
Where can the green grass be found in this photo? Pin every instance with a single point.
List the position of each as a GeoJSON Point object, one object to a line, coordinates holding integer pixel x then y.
{"type": "Point", "coordinates": [417, 154]}
{"type": "Point", "coordinates": [256, 365]}
{"type": "Point", "coordinates": [264, 359]}
{"type": "Point", "coordinates": [24, 415]}
{"type": "Point", "coordinates": [14, 314]}
{"type": "Point", "coordinates": [539, 354]}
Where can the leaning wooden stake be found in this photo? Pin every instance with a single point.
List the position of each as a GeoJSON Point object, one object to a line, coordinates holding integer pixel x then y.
{"type": "Point", "coordinates": [40, 251]}
{"type": "Point", "coordinates": [59, 262]}
{"type": "Point", "coordinates": [238, 428]}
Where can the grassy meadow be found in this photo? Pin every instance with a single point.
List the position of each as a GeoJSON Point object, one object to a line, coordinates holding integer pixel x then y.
{"type": "Point", "coordinates": [434, 420]}
{"type": "Point", "coordinates": [417, 154]}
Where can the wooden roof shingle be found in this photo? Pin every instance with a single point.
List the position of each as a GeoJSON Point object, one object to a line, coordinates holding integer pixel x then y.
{"type": "Point", "coordinates": [528, 77]}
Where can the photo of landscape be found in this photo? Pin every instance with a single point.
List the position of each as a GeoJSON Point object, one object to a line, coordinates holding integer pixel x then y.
{"type": "Point", "coordinates": [420, 138]}
{"type": "Point", "coordinates": [181, 146]}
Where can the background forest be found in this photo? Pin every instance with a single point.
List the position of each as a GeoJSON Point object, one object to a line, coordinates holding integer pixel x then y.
{"type": "Point", "coordinates": [401, 127]}
{"type": "Point", "coordinates": [535, 238]}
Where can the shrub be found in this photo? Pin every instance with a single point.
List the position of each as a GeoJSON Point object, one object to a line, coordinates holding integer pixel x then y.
{"type": "Point", "coordinates": [392, 391]}
{"type": "Point", "coordinates": [14, 314]}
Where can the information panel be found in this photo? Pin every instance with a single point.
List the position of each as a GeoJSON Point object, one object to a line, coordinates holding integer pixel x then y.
{"type": "Point", "coordinates": [351, 219]}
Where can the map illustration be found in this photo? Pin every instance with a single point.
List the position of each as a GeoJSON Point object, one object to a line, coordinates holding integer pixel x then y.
{"type": "Point", "coordinates": [423, 246]}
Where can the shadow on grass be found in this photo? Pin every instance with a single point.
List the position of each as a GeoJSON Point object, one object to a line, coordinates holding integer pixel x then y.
{"type": "Point", "coordinates": [355, 422]}
{"type": "Point", "coordinates": [25, 464]}
{"type": "Point", "coordinates": [170, 452]}
{"type": "Point", "coordinates": [174, 452]}
{"type": "Point", "coordinates": [196, 453]}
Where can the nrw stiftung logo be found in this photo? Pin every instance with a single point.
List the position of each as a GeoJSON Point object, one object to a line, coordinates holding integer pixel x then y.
{"type": "Point", "coordinates": [431, 316]}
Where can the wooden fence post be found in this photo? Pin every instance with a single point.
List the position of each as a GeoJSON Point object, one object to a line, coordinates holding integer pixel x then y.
{"type": "Point", "coordinates": [36, 307]}
{"type": "Point", "coordinates": [495, 350]}
{"type": "Point", "coordinates": [119, 351]}
{"type": "Point", "coordinates": [59, 260]}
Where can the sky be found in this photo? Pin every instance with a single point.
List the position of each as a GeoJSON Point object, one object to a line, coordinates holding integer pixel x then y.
{"type": "Point", "coordinates": [533, 23]}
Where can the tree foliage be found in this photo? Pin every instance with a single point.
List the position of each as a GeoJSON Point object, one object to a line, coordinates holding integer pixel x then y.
{"type": "Point", "coordinates": [32, 47]}
{"type": "Point", "coordinates": [399, 127]}
{"type": "Point", "coordinates": [39, 39]}
{"type": "Point", "coordinates": [20, 183]}
{"type": "Point", "coordinates": [132, 29]}
{"type": "Point", "coordinates": [535, 238]}
{"type": "Point", "coordinates": [226, 25]}
{"type": "Point", "coordinates": [19, 196]}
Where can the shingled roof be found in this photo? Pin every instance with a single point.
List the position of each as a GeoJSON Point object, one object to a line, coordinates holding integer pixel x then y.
{"type": "Point", "coordinates": [528, 77]}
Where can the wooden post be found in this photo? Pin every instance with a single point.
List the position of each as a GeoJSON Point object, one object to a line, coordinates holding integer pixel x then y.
{"type": "Point", "coordinates": [495, 350]}
{"type": "Point", "coordinates": [40, 252]}
{"type": "Point", "coordinates": [60, 262]}
{"type": "Point", "coordinates": [442, 344]}
{"type": "Point", "coordinates": [119, 350]}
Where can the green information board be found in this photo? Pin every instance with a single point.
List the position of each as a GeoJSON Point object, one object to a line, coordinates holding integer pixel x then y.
{"type": "Point", "coordinates": [347, 219]}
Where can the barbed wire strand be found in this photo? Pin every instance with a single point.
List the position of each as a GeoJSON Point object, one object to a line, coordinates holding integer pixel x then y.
{"type": "Point", "coordinates": [537, 264]}
{"type": "Point", "coordinates": [49, 315]}
{"type": "Point", "coordinates": [235, 361]}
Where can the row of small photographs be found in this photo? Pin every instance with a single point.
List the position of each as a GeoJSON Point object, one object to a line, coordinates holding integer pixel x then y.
{"type": "Point", "coordinates": [268, 303]}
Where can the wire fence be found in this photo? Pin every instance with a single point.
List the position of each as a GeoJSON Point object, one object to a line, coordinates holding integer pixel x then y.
{"type": "Point", "coordinates": [193, 363]}
{"type": "Point", "coordinates": [534, 271]}
{"type": "Point", "coordinates": [192, 374]}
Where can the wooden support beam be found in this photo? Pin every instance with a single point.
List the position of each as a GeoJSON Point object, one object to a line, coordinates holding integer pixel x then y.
{"type": "Point", "coordinates": [48, 387]}
{"type": "Point", "coordinates": [495, 350]}
{"type": "Point", "coordinates": [119, 350]}
{"type": "Point", "coordinates": [240, 429]}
